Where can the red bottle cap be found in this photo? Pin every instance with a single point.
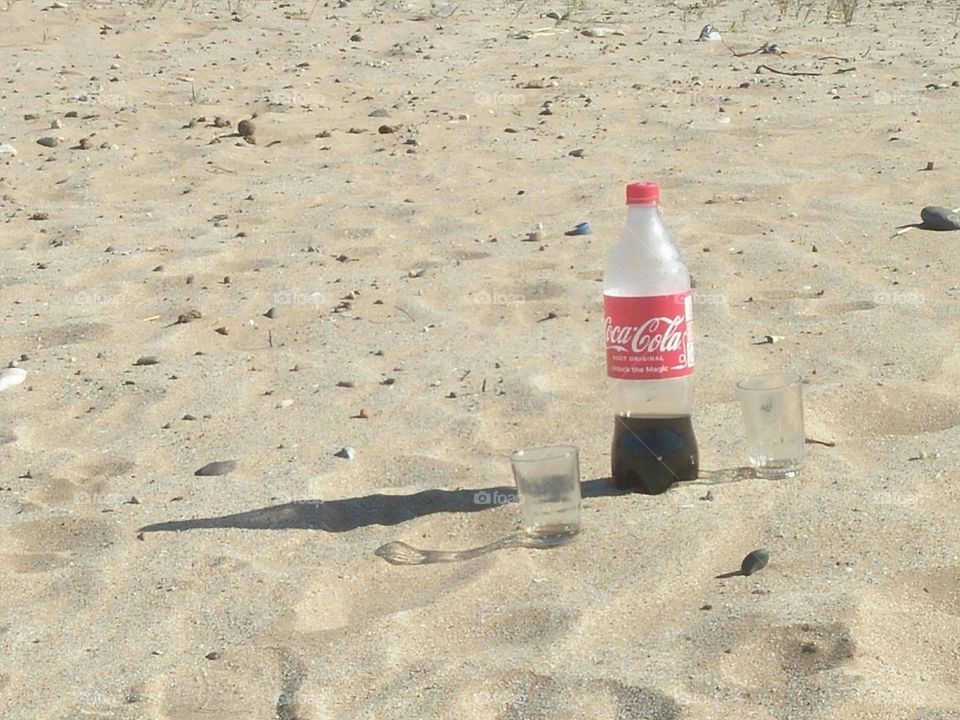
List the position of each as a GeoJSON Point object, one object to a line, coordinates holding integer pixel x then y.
{"type": "Point", "coordinates": [643, 193]}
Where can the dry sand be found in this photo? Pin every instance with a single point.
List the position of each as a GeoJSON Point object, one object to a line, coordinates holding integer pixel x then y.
{"type": "Point", "coordinates": [782, 191]}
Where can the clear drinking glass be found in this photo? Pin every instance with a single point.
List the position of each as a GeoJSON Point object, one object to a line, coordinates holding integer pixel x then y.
{"type": "Point", "coordinates": [548, 485]}
{"type": "Point", "coordinates": [773, 418]}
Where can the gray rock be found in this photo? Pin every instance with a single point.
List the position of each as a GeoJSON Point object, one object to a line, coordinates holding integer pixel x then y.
{"type": "Point", "coordinates": [271, 313]}
{"type": "Point", "coordinates": [754, 562]}
{"type": "Point", "coordinates": [220, 467]}
{"type": "Point", "coordinates": [709, 34]}
{"type": "Point", "coordinates": [346, 453]}
{"type": "Point", "coordinates": [380, 112]}
{"type": "Point", "coordinates": [246, 128]}
{"type": "Point", "coordinates": [938, 218]}
{"type": "Point", "coordinates": [147, 360]}
{"type": "Point", "coordinates": [48, 141]}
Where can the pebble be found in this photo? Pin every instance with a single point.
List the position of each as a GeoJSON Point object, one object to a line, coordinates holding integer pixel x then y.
{"type": "Point", "coordinates": [380, 113]}
{"type": "Point", "coordinates": [754, 562]}
{"type": "Point", "coordinates": [245, 128]}
{"type": "Point", "coordinates": [271, 313]}
{"type": "Point", "coordinates": [938, 218]}
{"type": "Point", "coordinates": [578, 153]}
{"type": "Point", "coordinates": [7, 149]}
{"type": "Point", "coordinates": [220, 467]}
{"type": "Point", "coordinates": [345, 383]}
{"type": "Point", "coordinates": [48, 141]}
{"type": "Point", "coordinates": [709, 34]}
{"type": "Point", "coordinates": [147, 360]}
{"type": "Point", "coordinates": [388, 129]}
{"type": "Point", "coordinates": [85, 143]}
{"type": "Point", "coordinates": [188, 317]}
{"type": "Point", "coordinates": [347, 453]}
{"type": "Point", "coordinates": [222, 331]}
{"type": "Point", "coordinates": [212, 656]}
{"type": "Point", "coordinates": [56, 124]}
{"type": "Point", "coordinates": [363, 414]}
{"type": "Point", "coordinates": [539, 84]}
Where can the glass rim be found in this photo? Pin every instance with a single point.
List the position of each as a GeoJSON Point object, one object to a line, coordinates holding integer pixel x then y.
{"type": "Point", "coordinates": [546, 452]}
{"type": "Point", "coordinates": [778, 381]}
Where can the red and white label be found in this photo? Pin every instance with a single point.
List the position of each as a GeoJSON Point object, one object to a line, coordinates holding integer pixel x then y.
{"type": "Point", "coordinates": [648, 338]}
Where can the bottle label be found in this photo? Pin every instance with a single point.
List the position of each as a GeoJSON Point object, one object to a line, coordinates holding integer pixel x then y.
{"type": "Point", "coordinates": [648, 338]}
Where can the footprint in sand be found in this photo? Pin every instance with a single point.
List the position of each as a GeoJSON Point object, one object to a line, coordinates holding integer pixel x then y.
{"type": "Point", "coordinates": [50, 543]}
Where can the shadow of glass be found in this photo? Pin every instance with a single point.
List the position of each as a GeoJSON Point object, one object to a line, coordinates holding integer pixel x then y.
{"type": "Point", "coordinates": [723, 476]}
{"type": "Point", "coordinates": [351, 513]}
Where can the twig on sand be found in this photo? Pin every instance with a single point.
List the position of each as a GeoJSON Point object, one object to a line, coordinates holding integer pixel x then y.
{"type": "Point", "coordinates": [804, 74]}
{"type": "Point", "coordinates": [743, 54]}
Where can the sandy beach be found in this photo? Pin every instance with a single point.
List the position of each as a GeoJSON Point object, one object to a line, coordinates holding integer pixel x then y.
{"type": "Point", "coordinates": [381, 265]}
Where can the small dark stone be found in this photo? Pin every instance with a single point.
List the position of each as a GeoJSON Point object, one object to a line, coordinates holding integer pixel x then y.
{"type": "Point", "coordinates": [380, 113]}
{"type": "Point", "coordinates": [147, 360]}
{"type": "Point", "coordinates": [48, 142]}
{"type": "Point", "coordinates": [388, 129]}
{"type": "Point", "coordinates": [188, 317]}
{"type": "Point", "coordinates": [356, 37]}
{"type": "Point", "coordinates": [271, 313]}
{"type": "Point", "coordinates": [221, 467]}
{"type": "Point", "coordinates": [345, 383]}
{"type": "Point", "coordinates": [212, 656]}
{"type": "Point", "coordinates": [578, 153]}
{"type": "Point", "coordinates": [938, 218]}
{"type": "Point", "coordinates": [245, 128]}
{"type": "Point", "coordinates": [754, 562]}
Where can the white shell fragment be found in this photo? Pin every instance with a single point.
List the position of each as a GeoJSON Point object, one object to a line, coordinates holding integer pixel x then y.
{"type": "Point", "coordinates": [11, 376]}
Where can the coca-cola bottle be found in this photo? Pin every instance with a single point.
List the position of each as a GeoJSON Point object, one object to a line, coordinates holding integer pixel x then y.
{"type": "Point", "coordinates": [648, 329]}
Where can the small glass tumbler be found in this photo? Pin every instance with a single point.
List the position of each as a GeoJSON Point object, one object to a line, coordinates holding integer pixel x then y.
{"type": "Point", "coordinates": [548, 486]}
{"type": "Point", "coordinates": [773, 417]}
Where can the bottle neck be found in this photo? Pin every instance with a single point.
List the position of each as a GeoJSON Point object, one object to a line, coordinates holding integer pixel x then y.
{"type": "Point", "coordinates": [647, 234]}
{"type": "Point", "coordinates": [643, 213]}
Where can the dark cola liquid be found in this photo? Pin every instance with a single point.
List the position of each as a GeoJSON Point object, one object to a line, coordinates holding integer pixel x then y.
{"type": "Point", "coordinates": [651, 453]}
